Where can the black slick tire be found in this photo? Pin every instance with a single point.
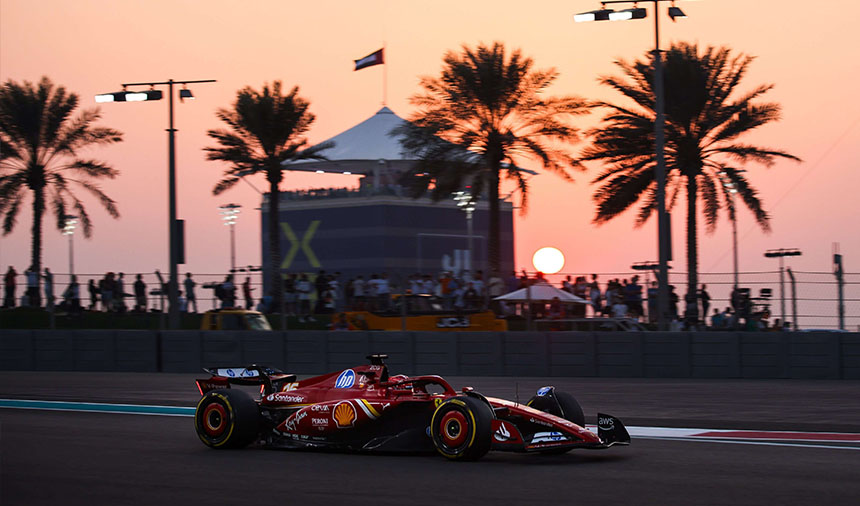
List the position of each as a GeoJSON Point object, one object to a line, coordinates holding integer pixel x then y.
{"type": "Point", "coordinates": [227, 418]}
{"type": "Point", "coordinates": [461, 428]}
{"type": "Point", "coordinates": [570, 408]}
{"type": "Point", "coordinates": [570, 411]}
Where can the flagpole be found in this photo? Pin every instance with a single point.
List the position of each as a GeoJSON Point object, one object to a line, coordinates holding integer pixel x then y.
{"type": "Point", "coordinates": [384, 75]}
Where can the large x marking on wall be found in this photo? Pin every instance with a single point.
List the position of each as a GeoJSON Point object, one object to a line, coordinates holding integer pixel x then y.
{"type": "Point", "coordinates": [304, 244]}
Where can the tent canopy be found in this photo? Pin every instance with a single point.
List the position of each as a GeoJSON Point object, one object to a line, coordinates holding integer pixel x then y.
{"type": "Point", "coordinates": [368, 148]}
{"type": "Point", "coordinates": [541, 292]}
{"type": "Point", "coordinates": [362, 148]}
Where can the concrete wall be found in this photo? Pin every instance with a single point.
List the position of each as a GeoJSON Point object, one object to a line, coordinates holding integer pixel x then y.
{"type": "Point", "coordinates": [604, 354]}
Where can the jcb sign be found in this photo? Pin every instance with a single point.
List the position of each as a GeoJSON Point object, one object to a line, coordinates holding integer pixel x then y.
{"type": "Point", "coordinates": [304, 244]}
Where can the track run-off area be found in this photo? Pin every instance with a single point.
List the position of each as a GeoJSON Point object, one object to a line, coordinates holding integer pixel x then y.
{"type": "Point", "coordinates": [845, 441]}
{"type": "Point", "coordinates": [124, 438]}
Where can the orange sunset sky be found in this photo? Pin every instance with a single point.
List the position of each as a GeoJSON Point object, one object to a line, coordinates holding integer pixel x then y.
{"type": "Point", "coordinates": [807, 49]}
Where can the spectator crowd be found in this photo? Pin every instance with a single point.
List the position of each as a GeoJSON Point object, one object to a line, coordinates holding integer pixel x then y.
{"type": "Point", "coordinates": [326, 293]}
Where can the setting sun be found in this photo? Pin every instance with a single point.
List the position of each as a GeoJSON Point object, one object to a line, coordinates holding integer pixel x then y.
{"type": "Point", "coordinates": [548, 260]}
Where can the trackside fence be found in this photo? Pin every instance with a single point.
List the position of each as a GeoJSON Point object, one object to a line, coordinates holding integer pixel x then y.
{"type": "Point", "coordinates": [806, 355]}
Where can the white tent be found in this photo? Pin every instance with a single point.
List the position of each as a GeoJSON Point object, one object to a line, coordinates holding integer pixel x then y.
{"type": "Point", "coordinates": [541, 292]}
{"type": "Point", "coordinates": [367, 148]}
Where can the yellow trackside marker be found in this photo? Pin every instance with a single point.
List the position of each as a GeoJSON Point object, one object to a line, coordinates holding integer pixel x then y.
{"type": "Point", "coordinates": [304, 244]}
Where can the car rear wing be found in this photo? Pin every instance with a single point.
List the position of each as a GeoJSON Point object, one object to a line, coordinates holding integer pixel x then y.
{"type": "Point", "coordinates": [270, 379]}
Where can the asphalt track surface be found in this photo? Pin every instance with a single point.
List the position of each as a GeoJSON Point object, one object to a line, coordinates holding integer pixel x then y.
{"type": "Point", "coordinates": [69, 458]}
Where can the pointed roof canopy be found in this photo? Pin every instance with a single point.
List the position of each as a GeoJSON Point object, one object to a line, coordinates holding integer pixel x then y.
{"type": "Point", "coordinates": [361, 148]}
{"type": "Point", "coordinates": [366, 148]}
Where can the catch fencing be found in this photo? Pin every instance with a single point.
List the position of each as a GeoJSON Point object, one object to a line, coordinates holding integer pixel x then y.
{"type": "Point", "coordinates": [811, 299]}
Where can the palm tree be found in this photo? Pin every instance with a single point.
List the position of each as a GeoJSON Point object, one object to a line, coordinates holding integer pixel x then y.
{"type": "Point", "coordinates": [704, 121]}
{"type": "Point", "coordinates": [40, 144]}
{"type": "Point", "coordinates": [482, 116]}
{"type": "Point", "coordinates": [266, 128]}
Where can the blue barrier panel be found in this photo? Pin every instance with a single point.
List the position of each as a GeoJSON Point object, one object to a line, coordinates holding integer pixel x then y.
{"type": "Point", "coordinates": [607, 354]}
{"type": "Point", "coordinates": [715, 355]}
{"type": "Point", "coordinates": [573, 353]}
{"type": "Point", "coordinates": [16, 350]}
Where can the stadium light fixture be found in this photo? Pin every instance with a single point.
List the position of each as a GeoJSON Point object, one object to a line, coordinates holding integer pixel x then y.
{"type": "Point", "coordinates": [598, 15]}
{"type": "Point", "coordinates": [175, 227]}
{"type": "Point", "coordinates": [664, 241]}
{"type": "Point", "coordinates": [634, 13]}
{"type": "Point", "coordinates": [676, 13]}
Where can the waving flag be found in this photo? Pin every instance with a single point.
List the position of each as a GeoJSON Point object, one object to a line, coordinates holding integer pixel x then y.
{"type": "Point", "coordinates": [369, 60]}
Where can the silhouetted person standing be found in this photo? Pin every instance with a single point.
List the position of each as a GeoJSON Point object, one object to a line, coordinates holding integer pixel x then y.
{"type": "Point", "coordinates": [49, 289]}
{"type": "Point", "coordinates": [190, 297]}
{"type": "Point", "coordinates": [246, 291]}
{"type": "Point", "coordinates": [9, 287]}
{"type": "Point", "coordinates": [140, 294]}
{"type": "Point", "coordinates": [94, 294]}
{"type": "Point", "coordinates": [33, 296]}
{"type": "Point", "coordinates": [705, 297]}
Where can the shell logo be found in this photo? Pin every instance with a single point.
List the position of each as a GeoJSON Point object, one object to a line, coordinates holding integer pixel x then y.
{"type": "Point", "coordinates": [344, 415]}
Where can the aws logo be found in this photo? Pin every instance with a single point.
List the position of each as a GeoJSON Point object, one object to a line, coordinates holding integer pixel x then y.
{"type": "Point", "coordinates": [304, 244]}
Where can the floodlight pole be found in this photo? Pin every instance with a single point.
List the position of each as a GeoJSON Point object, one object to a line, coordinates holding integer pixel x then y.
{"type": "Point", "coordinates": [173, 229]}
{"type": "Point", "coordinates": [782, 253]}
{"type": "Point", "coordinates": [664, 244]}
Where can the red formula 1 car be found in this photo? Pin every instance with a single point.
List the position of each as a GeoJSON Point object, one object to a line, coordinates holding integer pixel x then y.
{"type": "Point", "coordinates": [365, 409]}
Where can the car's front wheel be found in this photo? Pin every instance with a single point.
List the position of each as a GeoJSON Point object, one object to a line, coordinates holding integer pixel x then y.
{"type": "Point", "coordinates": [227, 418]}
{"type": "Point", "coordinates": [560, 404]}
{"type": "Point", "coordinates": [461, 428]}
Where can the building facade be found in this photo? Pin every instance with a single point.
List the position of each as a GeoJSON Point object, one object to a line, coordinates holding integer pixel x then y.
{"type": "Point", "coordinates": [345, 231]}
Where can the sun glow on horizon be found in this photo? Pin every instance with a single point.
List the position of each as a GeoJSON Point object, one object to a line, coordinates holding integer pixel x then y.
{"type": "Point", "coordinates": [548, 260]}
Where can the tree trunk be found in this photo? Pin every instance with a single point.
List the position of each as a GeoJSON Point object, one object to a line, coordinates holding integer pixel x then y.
{"type": "Point", "coordinates": [494, 245]}
{"type": "Point", "coordinates": [691, 311]}
{"type": "Point", "coordinates": [275, 281]}
{"type": "Point", "coordinates": [36, 252]}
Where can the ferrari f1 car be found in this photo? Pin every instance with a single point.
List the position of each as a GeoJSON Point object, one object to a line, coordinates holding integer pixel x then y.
{"type": "Point", "coordinates": [366, 409]}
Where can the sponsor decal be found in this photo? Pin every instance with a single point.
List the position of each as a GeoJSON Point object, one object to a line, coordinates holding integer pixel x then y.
{"type": "Point", "coordinates": [319, 422]}
{"type": "Point", "coordinates": [304, 244]}
{"type": "Point", "coordinates": [346, 379]}
{"type": "Point", "coordinates": [453, 322]}
{"type": "Point", "coordinates": [294, 420]}
{"type": "Point", "coordinates": [544, 391]}
{"type": "Point", "coordinates": [437, 401]}
{"type": "Point", "coordinates": [606, 423]}
{"type": "Point", "coordinates": [211, 385]}
{"type": "Point", "coordinates": [344, 415]}
{"type": "Point", "coordinates": [287, 398]}
{"type": "Point", "coordinates": [320, 408]}
{"type": "Point", "coordinates": [547, 437]}
{"type": "Point", "coordinates": [503, 434]}
{"type": "Point", "coordinates": [237, 372]}
{"type": "Point", "coordinates": [289, 386]}
{"type": "Point", "coordinates": [540, 422]}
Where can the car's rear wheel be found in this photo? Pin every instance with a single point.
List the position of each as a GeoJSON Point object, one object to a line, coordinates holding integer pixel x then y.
{"type": "Point", "coordinates": [461, 428]}
{"type": "Point", "coordinates": [227, 418]}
